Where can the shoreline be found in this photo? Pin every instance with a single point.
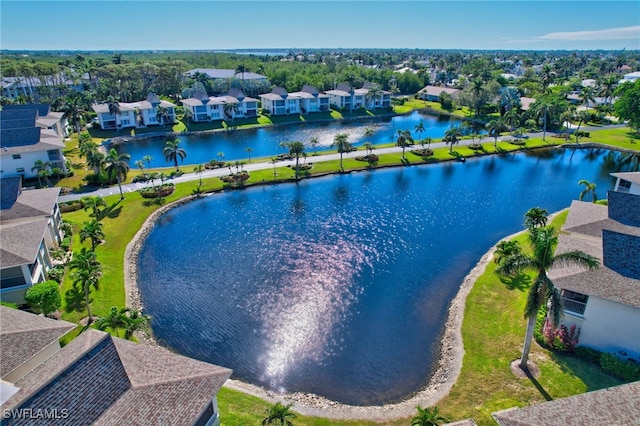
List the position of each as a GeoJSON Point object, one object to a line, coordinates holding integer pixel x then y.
{"type": "Point", "coordinates": [438, 386]}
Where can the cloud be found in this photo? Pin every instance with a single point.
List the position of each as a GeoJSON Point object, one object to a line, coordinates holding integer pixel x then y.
{"type": "Point", "coordinates": [621, 33]}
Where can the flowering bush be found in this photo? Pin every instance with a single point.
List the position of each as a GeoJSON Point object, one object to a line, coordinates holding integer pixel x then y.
{"type": "Point", "coordinates": [561, 338]}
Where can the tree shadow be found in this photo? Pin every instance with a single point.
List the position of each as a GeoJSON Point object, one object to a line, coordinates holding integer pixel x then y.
{"type": "Point", "coordinates": [520, 282]}
{"type": "Point", "coordinates": [74, 300]}
{"type": "Point", "coordinates": [153, 202]}
{"type": "Point", "coordinates": [590, 374]}
{"type": "Point", "coordinates": [538, 386]}
{"type": "Point", "coordinates": [111, 212]}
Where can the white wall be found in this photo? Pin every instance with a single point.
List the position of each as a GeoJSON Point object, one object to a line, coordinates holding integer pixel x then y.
{"type": "Point", "coordinates": [607, 325]}
{"type": "Point", "coordinates": [26, 161]}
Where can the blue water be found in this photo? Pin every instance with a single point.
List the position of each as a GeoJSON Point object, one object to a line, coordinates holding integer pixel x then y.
{"type": "Point", "coordinates": [265, 141]}
{"type": "Point", "coordinates": [340, 285]}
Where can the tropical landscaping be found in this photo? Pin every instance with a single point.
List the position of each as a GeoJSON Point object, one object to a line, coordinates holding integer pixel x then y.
{"type": "Point", "coordinates": [100, 228]}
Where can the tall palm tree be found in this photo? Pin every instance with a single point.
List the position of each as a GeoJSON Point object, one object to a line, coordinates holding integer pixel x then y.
{"type": "Point", "coordinates": [451, 137]}
{"type": "Point", "coordinates": [296, 149]}
{"type": "Point", "coordinates": [587, 94]}
{"type": "Point", "coordinates": [230, 110]}
{"type": "Point", "coordinates": [241, 69]}
{"type": "Point", "coordinates": [428, 417]}
{"type": "Point", "coordinates": [140, 164]}
{"type": "Point", "coordinates": [373, 93]}
{"type": "Point", "coordinates": [172, 152]}
{"type": "Point", "coordinates": [404, 138]}
{"type": "Point", "coordinates": [95, 160]}
{"type": "Point", "coordinates": [535, 217]}
{"type": "Point", "coordinates": [342, 145]}
{"type": "Point", "coordinates": [198, 170]}
{"type": "Point", "coordinates": [94, 204]}
{"type": "Point", "coordinates": [147, 159]}
{"type": "Point", "coordinates": [41, 169]}
{"type": "Point", "coordinates": [542, 241]}
{"type": "Point", "coordinates": [72, 111]}
{"type": "Point", "coordinates": [279, 413]}
{"type": "Point", "coordinates": [248, 150]}
{"type": "Point", "coordinates": [547, 77]}
{"type": "Point", "coordinates": [512, 118]}
{"type": "Point", "coordinates": [92, 231]}
{"type": "Point", "coordinates": [590, 188]}
{"type": "Point", "coordinates": [114, 107]}
{"type": "Point", "coordinates": [419, 129]}
{"type": "Point", "coordinates": [314, 142]}
{"type": "Point", "coordinates": [118, 166]}
{"type": "Point", "coordinates": [606, 87]}
{"type": "Point", "coordinates": [493, 126]}
{"type": "Point", "coordinates": [162, 114]}
{"type": "Point", "coordinates": [86, 272]}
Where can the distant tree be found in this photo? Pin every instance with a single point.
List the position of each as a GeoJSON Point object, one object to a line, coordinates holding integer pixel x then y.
{"type": "Point", "coordinates": [341, 142]}
{"type": "Point", "coordinates": [314, 142]}
{"type": "Point", "coordinates": [628, 104]}
{"type": "Point", "coordinates": [536, 217]}
{"type": "Point", "coordinates": [452, 136]}
{"type": "Point", "coordinates": [198, 171]}
{"type": "Point", "coordinates": [494, 127]}
{"type": "Point", "coordinates": [590, 188]}
{"type": "Point", "coordinates": [419, 129]}
{"type": "Point", "coordinates": [248, 150]}
{"type": "Point", "coordinates": [43, 298]}
{"type": "Point", "coordinates": [403, 139]}
{"type": "Point", "coordinates": [296, 149]}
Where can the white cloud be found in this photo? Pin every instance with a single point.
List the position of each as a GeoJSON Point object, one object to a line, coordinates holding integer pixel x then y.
{"type": "Point", "coordinates": [621, 33]}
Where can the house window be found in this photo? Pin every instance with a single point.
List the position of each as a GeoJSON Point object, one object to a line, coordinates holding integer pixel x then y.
{"type": "Point", "coordinates": [20, 170]}
{"type": "Point", "coordinates": [574, 302]}
{"type": "Point", "coordinates": [53, 154]}
{"type": "Point", "coordinates": [17, 156]}
{"type": "Point", "coordinates": [623, 186]}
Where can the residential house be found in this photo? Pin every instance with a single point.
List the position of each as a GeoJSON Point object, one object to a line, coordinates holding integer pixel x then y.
{"type": "Point", "coordinates": [311, 100]}
{"type": "Point", "coordinates": [46, 118]}
{"type": "Point", "coordinates": [23, 142]}
{"type": "Point", "coordinates": [605, 304]}
{"type": "Point", "coordinates": [152, 111]}
{"type": "Point", "coordinates": [223, 80]}
{"type": "Point", "coordinates": [32, 88]}
{"type": "Point", "coordinates": [525, 103]}
{"type": "Point", "coordinates": [30, 227]}
{"type": "Point", "coordinates": [631, 77]}
{"type": "Point", "coordinates": [279, 102]}
{"type": "Point", "coordinates": [342, 97]}
{"type": "Point", "coordinates": [612, 406]}
{"type": "Point", "coordinates": [202, 107]}
{"type": "Point", "coordinates": [97, 379]}
{"type": "Point", "coordinates": [371, 101]}
{"type": "Point", "coordinates": [432, 93]}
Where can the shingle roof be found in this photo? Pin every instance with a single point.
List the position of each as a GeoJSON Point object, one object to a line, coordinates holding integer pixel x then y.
{"type": "Point", "coordinates": [18, 114]}
{"type": "Point", "coordinates": [590, 219]}
{"type": "Point", "coordinates": [42, 109]}
{"type": "Point", "coordinates": [633, 177]}
{"type": "Point", "coordinates": [30, 203]}
{"type": "Point", "coordinates": [33, 139]}
{"type": "Point", "coordinates": [281, 91]}
{"type": "Point", "coordinates": [23, 335]}
{"type": "Point", "coordinates": [127, 382]}
{"type": "Point", "coordinates": [310, 89]}
{"type": "Point", "coordinates": [612, 406]}
{"type": "Point", "coordinates": [225, 73]}
{"type": "Point", "coordinates": [21, 241]}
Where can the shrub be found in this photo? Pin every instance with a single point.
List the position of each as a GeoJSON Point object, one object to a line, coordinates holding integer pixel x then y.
{"type": "Point", "coordinates": [56, 274]}
{"type": "Point", "coordinates": [235, 178]}
{"type": "Point", "coordinates": [141, 178]}
{"type": "Point", "coordinates": [157, 191]}
{"type": "Point", "coordinates": [43, 298]}
{"type": "Point", "coordinates": [66, 243]}
{"type": "Point", "coordinates": [626, 370]}
{"type": "Point", "coordinates": [588, 354]}
{"type": "Point", "coordinates": [476, 146]}
{"type": "Point", "coordinates": [422, 152]}
{"type": "Point", "coordinates": [562, 338]}
{"type": "Point", "coordinates": [71, 206]}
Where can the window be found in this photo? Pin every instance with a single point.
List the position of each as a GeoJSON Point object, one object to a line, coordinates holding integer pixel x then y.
{"type": "Point", "coordinates": [53, 154]}
{"type": "Point", "coordinates": [17, 156]}
{"type": "Point", "coordinates": [623, 186]}
{"type": "Point", "coordinates": [574, 302]}
{"type": "Point", "coordinates": [20, 170]}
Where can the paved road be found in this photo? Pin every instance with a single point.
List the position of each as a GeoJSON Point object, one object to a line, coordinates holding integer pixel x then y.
{"type": "Point", "coordinates": [189, 177]}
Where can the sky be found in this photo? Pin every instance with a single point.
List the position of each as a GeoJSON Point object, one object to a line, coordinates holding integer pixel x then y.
{"type": "Point", "coordinates": [239, 24]}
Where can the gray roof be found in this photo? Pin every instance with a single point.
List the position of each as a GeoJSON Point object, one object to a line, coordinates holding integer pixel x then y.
{"type": "Point", "coordinates": [120, 382]}
{"type": "Point", "coordinates": [18, 114]}
{"type": "Point", "coordinates": [23, 335]}
{"type": "Point", "coordinates": [224, 73]}
{"type": "Point", "coordinates": [633, 177]}
{"type": "Point", "coordinates": [310, 89]}
{"type": "Point", "coordinates": [590, 219]}
{"type": "Point", "coordinates": [281, 91]}
{"type": "Point", "coordinates": [18, 204]}
{"type": "Point", "coordinates": [436, 90]}
{"type": "Point", "coordinates": [42, 109]}
{"type": "Point", "coordinates": [21, 241]}
{"type": "Point", "coordinates": [32, 139]}
{"type": "Point", "coordinates": [612, 406]}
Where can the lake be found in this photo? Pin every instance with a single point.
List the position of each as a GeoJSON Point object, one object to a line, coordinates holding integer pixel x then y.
{"type": "Point", "coordinates": [340, 285]}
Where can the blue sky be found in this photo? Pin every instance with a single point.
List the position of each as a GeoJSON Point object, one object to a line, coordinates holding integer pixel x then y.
{"type": "Point", "coordinates": [183, 24]}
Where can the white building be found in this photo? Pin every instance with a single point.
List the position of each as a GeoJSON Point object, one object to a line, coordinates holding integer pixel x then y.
{"type": "Point", "coordinates": [311, 100]}
{"type": "Point", "coordinates": [605, 303]}
{"type": "Point", "coordinates": [432, 93]}
{"type": "Point", "coordinates": [235, 104]}
{"type": "Point", "coordinates": [30, 227]}
{"type": "Point", "coordinates": [121, 115]}
{"type": "Point", "coordinates": [279, 102]}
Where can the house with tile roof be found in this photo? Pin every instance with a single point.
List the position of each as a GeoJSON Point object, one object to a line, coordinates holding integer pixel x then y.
{"type": "Point", "coordinates": [97, 379]}
{"type": "Point", "coordinates": [203, 107]}
{"type": "Point", "coordinates": [23, 142]}
{"type": "Point", "coordinates": [30, 226]}
{"type": "Point", "coordinates": [152, 111]}
{"type": "Point", "coordinates": [612, 406]}
{"type": "Point", "coordinates": [605, 304]}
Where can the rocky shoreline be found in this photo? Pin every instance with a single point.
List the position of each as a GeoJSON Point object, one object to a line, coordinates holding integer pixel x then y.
{"type": "Point", "coordinates": [445, 376]}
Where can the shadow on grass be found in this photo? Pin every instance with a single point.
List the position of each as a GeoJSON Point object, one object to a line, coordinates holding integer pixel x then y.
{"type": "Point", "coordinates": [154, 202]}
{"type": "Point", "coordinates": [74, 300]}
{"type": "Point", "coordinates": [592, 375]}
{"type": "Point", "coordinates": [538, 386]}
{"type": "Point", "coordinates": [521, 282]}
{"type": "Point", "coordinates": [111, 212]}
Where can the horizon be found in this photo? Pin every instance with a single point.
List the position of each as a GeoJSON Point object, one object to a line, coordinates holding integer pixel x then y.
{"type": "Point", "coordinates": [535, 25]}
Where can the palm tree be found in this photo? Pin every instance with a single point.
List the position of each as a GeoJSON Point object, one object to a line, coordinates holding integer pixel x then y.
{"type": "Point", "coordinates": [428, 140]}
{"type": "Point", "coordinates": [40, 167]}
{"type": "Point", "coordinates": [419, 129]}
{"type": "Point", "coordinates": [72, 110]}
{"type": "Point", "coordinates": [162, 114]}
{"type": "Point", "coordinates": [547, 77]}
{"type": "Point", "coordinates": [505, 249]}
{"type": "Point", "coordinates": [172, 152]}
{"type": "Point", "coordinates": [114, 108]}
{"type": "Point", "coordinates": [341, 142]}
{"type": "Point", "coordinates": [590, 188]}
{"type": "Point", "coordinates": [92, 231]}
{"type": "Point", "coordinates": [118, 166]}
{"type": "Point", "coordinates": [87, 273]}
{"type": "Point", "coordinates": [314, 142]}
{"type": "Point", "coordinates": [606, 87]}
{"type": "Point", "coordinates": [279, 413]}
{"type": "Point", "coordinates": [94, 203]}
{"type": "Point", "coordinates": [543, 241]}
{"type": "Point", "coordinates": [582, 117]}
{"type": "Point", "coordinates": [404, 139]}
{"type": "Point", "coordinates": [535, 217]}
{"type": "Point", "coordinates": [95, 160]}
{"type": "Point", "coordinates": [512, 118]}
{"type": "Point", "coordinates": [296, 149]}
{"type": "Point", "coordinates": [116, 320]}
{"type": "Point", "coordinates": [373, 93]}
{"type": "Point", "coordinates": [451, 137]}
{"type": "Point", "coordinates": [241, 69]}
{"type": "Point", "coordinates": [248, 150]}
{"type": "Point", "coordinates": [428, 417]}
{"type": "Point", "coordinates": [587, 94]}
{"type": "Point", "coordinates": [135, 321]}
{"type": "Point", "coordinates": [199, 169]}
{"type": "Point", "coordinates": [140, 164]}
{"type": "Point", "coordinates": [230, 110]}
{"type": "Point", "coordinates": [494, 127]}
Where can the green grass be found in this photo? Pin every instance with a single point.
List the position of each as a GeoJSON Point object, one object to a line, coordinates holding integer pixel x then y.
{"type": "Point", "coordinates": [493, 327]}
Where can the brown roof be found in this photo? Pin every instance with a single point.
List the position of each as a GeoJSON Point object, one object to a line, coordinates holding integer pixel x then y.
{"type": "Point", "coordinates": [21, 241]}
{"type": "Point", "coordinates": [23, 335]}
{"type": "Point", "coordinates": [102, 380]}
{"type": "Point", "coordinates": [612, 406]}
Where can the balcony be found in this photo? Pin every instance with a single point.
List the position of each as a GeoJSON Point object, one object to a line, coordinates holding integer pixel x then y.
{"type": "Point", "coordinates": [573, 306]}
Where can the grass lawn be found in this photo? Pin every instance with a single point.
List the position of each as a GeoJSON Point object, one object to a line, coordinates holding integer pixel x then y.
{"type": "Point", "coordinates": [493, 327]}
